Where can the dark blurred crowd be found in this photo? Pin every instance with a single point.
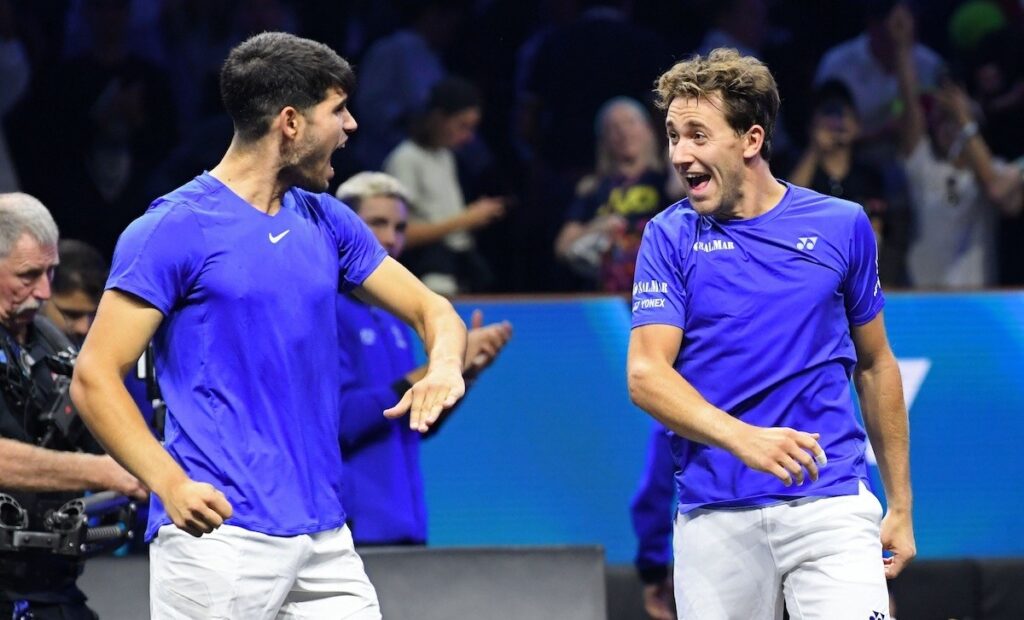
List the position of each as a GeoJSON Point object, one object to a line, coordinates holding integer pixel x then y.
{"type": "Point", "coordinates": [524, 130]}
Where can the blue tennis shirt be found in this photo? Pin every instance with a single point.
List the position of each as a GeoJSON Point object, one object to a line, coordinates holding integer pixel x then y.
{"type": "Point", "coordinates": [247, 353]}
{"type": "Point", "coordinates": [765, 305]}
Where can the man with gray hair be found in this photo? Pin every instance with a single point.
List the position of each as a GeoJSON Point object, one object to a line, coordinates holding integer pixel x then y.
{"type": "Point", "coordinates": [384, 499]}
{"type": "Point", "coordinates": [37, 584]}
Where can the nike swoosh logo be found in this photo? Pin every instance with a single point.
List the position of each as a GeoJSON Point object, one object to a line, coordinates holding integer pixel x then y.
{"type": "Point", "coordinates": [276, 238]}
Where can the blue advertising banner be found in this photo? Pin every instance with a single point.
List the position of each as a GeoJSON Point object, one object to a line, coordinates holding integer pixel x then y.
{"type": "Point", "coordinates": [548, 449]}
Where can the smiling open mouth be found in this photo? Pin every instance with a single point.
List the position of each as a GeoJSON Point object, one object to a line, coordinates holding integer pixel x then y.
{"type": "Point", "coordinates": [697, 181]}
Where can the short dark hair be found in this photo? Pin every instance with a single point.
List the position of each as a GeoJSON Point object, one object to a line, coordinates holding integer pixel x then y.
{"type": "Point", "coordinates": [81, 268]}
{"type": "Point", "coordinates": [453, 95]}
{"type": "Point", "coordinates": [832, 93]}
{"type": "Point", "coordinates": [269, 71]}
{"type": "Point", "coordinates": [448, 97]}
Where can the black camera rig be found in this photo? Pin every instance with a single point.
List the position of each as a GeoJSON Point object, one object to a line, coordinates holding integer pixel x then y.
{"type": "Point", "coordinates": [68, 531]}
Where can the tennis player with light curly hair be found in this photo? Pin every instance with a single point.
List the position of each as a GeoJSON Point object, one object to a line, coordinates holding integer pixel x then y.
{"type": "Point", "coordinates": [755, 301]}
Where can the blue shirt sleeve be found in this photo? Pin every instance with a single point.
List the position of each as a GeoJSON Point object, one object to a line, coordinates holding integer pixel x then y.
{"type": "Point", "coordinates": [862, 289]}
{"type": "Point", "coordinates": [359, 253]}
{"type": "Point", "coordinates": [652, 509]}
{"type": "Point", "coordinates": [158, 256]}
{"type": "Point", "coordinates": [362, 407]}
{"type": "Point", "coordinates": [658, 293]}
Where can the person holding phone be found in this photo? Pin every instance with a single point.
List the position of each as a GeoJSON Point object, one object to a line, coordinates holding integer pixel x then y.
{"type": "Point", "coordinates": [832, 165]}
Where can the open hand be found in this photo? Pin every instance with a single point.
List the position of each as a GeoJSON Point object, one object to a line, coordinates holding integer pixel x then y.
{"type": "Point", "coordinates": [483, 343]}
{"type": "Point", "coordinates": [437, 391]}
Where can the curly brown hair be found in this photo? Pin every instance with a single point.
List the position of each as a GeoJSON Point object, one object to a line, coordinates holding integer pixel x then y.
{"type": "Point", "coordinates": [743, 83]}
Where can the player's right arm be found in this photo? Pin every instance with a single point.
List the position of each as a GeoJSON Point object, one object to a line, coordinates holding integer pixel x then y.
{"type": "Point", "coordinates": [656, 387]}
{"type": "Point", "coordinates": [124, 325]}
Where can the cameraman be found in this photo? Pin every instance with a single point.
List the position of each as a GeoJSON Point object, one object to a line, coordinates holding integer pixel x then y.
{"type": "Point", "coordinates": [38, 584]}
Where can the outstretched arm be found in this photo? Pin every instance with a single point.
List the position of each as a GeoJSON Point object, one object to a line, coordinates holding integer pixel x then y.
{"type": "Point", "coordinates": [362, 404]}
{"type": "Point", "coordinates": [444, 337]}
{"type": "Point", "coordinates": [124, 325]}
{"type": "Point", "coordinates": [877, 378]}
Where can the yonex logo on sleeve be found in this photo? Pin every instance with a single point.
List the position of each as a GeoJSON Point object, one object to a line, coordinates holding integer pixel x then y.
{"type": "Point", "coordinates": [647, 304]}
{"type": "Point", "coordinates": [806, 243]}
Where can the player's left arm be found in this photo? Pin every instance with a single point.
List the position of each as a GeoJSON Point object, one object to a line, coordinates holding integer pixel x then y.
{"type": "Point", "coordinates": [392, 287]}
{"type": "Point", "coordinates": [877, 378]}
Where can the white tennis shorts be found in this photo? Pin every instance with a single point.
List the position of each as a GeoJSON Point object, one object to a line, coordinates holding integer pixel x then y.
{"type": "Point", "coordinates": [822, 556]}
{"type": "Point", "coordinates": [236, 574]}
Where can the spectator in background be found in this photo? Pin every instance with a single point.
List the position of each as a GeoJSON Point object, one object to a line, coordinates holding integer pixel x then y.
{"type": "Point", "coordinates": [396, 76]}
{"type": "Point", "coordinates": [76, 289]}
{"type": "Point", "coordinates": [109, 120]}
{"type": "Point", "coordinates": [957, 187]}
{"type": "Point", "coordinates": [996, 77]}
{"type": "Point", "coordinates": [830, 165]}
{"type": "Point", "coordinates": [142, 34]}
{"type": "Point", "coordinates": [652, 513]}
{"type": "Point", "coordinates": [631, 184]}
{"type": "Point", "coordinates": [744, 25]}
{"type": "Point", "coordinates": [384, 498]}
{"type": "Point", "coordinates": [578, 66]}
{"type": "Point", "coordinates": [14, 76]}
{"type": "Point", "coordinates": [441, 222]}
{"type": "Point", "coordinates": [75, 294]}
{"type": "Point", "coordinates": [866, 64]}
{"type": "Point", "coordinates": [198, 34]}
{"type": "Point", "coordinates": [739, 24]}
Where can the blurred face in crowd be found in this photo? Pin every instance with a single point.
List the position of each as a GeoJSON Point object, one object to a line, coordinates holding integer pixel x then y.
{"type": "Point", "coordinates": [387, 217]}
{"type": "Point", "coordinates": [626, 132]}
{"type": "Point", "coordinates": [707, 153]}
{"type": "Point", "coordinates": [943, 130]}
{"type": "Point", "coordinates": [838, 120]}
{"type": "Point", "coordinates": [458, 129]}
{"type": "Point", "coordinates": [323, 129]}
{"type": "Point", "coordinates": [72, 312]}
{"type": "Point", "coordinates": [25, 276]}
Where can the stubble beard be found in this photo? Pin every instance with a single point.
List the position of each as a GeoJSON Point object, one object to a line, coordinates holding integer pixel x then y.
{"type": "Point", "coordinates": [305, 168]}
